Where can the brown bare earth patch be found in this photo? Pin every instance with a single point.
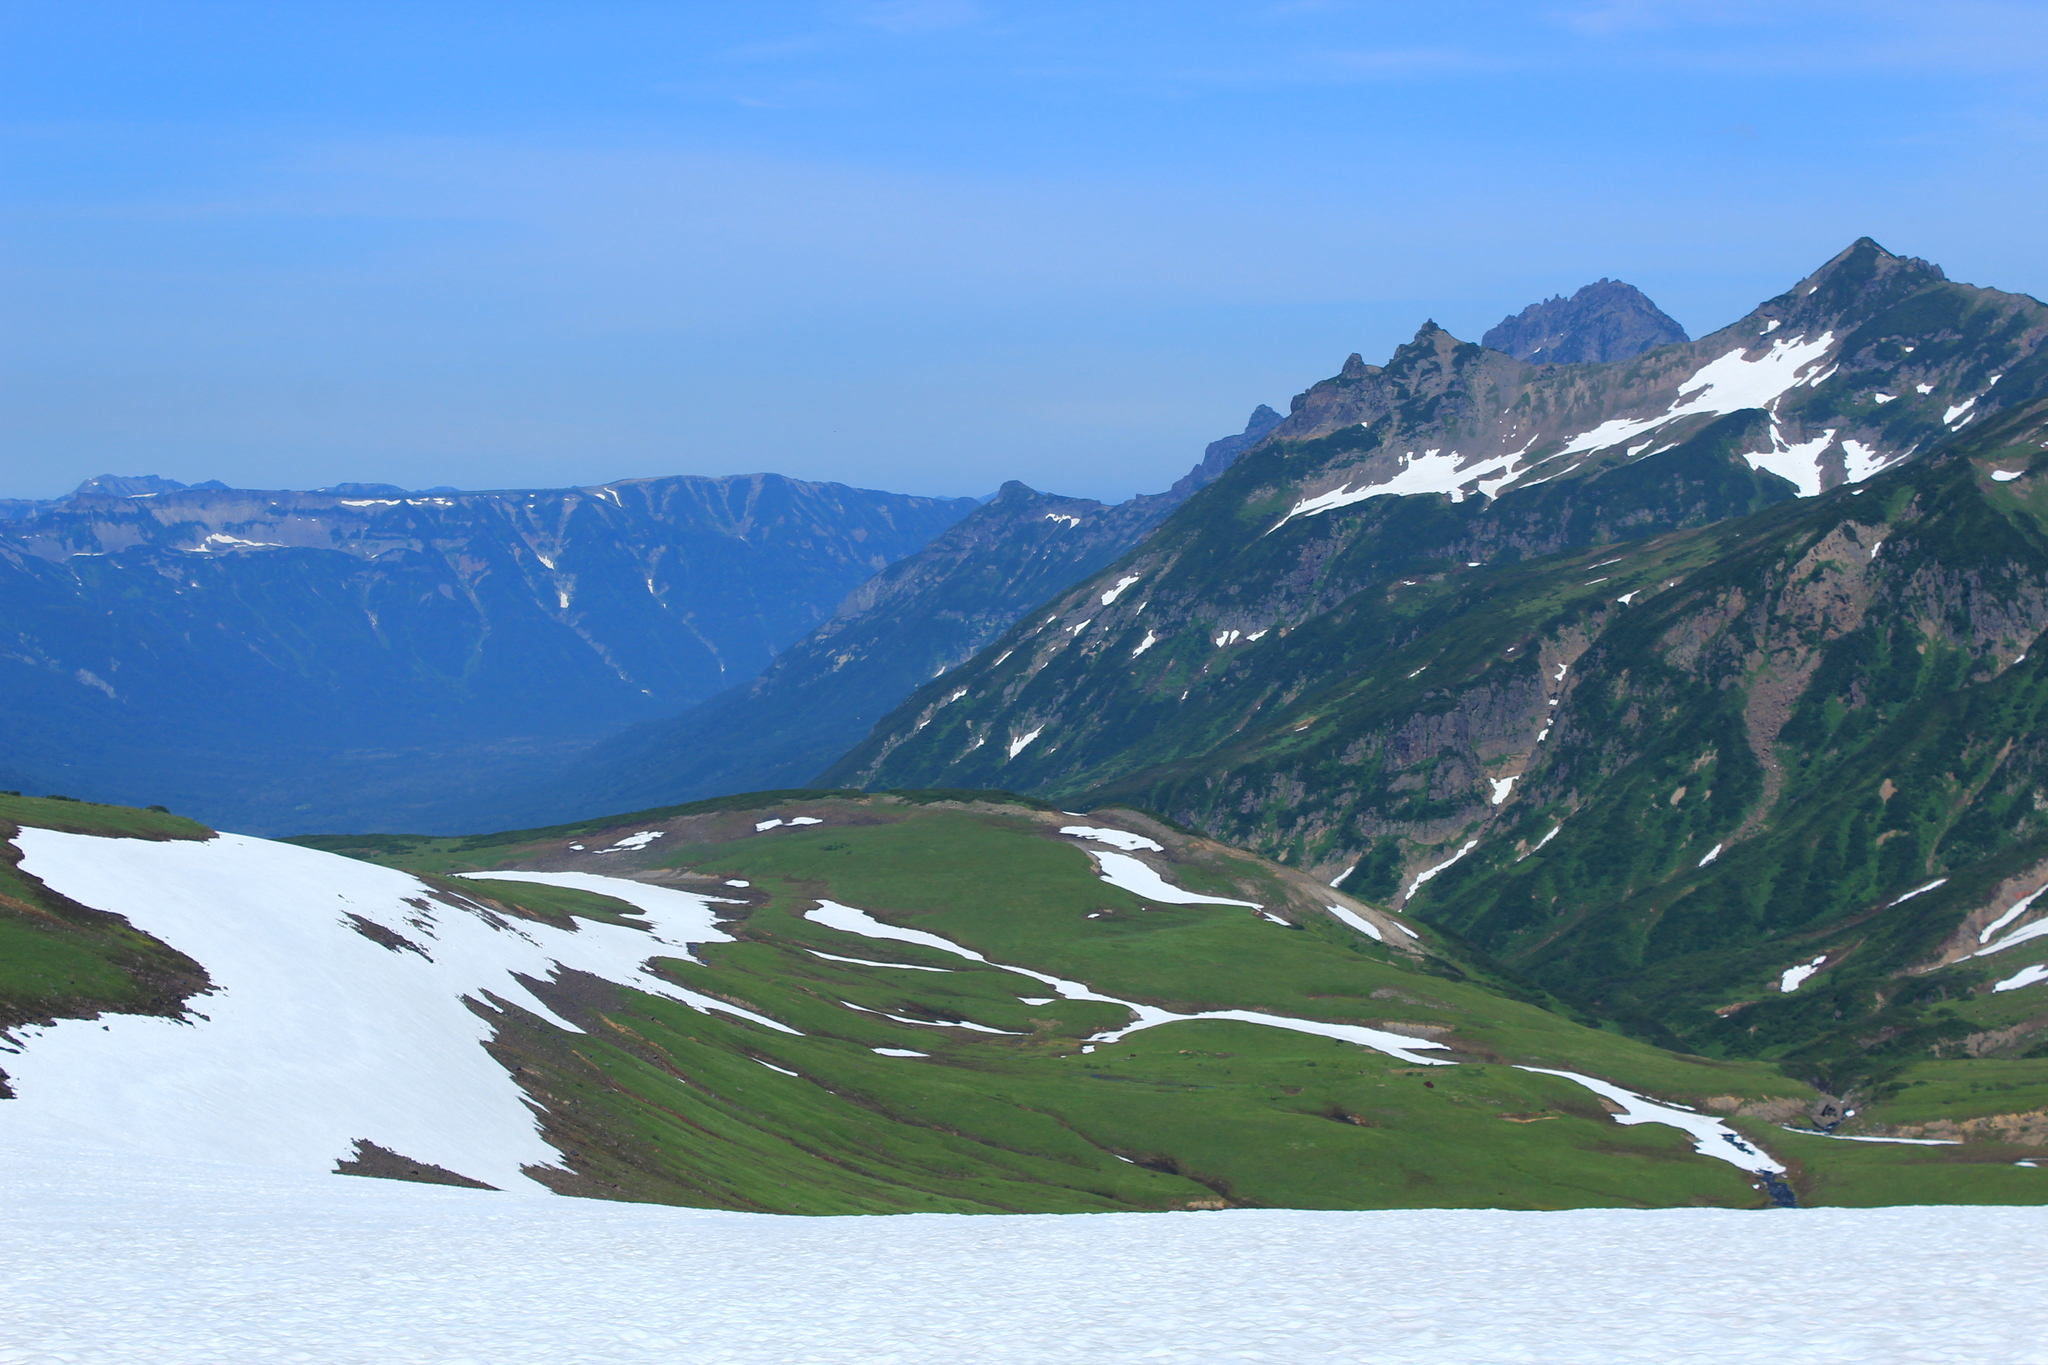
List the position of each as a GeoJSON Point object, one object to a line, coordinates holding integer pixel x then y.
{"type": "Point", "coordinates": [2029, 1129]}
{"type": "Point", "coordinates": [1777, 1109]}
{"type": "Point", "coordinates": [381, 1163]}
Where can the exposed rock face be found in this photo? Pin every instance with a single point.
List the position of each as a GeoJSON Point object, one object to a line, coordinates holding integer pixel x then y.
{"type": "Point", "coordinates": [1623, 711]}
{"type": "Point", "coordinates": [1219, 454]}
{"type": "Point", "coordinates": [1607, 320]}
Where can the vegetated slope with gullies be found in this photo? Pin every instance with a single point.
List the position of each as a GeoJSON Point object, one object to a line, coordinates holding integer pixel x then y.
{"type": "Point", "coordinates": [1657, 777]}
{"type": "Point", "coordinates": [1415, 680]}
{"type": "Point", "coordinates": [916, 619]}
{"type": "Point", "coordinates": [829, 1002]}
{"type": "Point", "coordinates": [1449, 459]}
{"type": "Point", "coordinates": [1790, 804]}
{"type": "Point", "coordinates": [283, 661]}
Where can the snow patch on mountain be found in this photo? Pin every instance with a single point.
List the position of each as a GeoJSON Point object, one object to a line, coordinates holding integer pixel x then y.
{"type": "Point", "coordinates": [1115, 838]}
{"type": "Point", "coordinates": [1711, 1137]}
{"type": "Point", "coordinates": [2038, 929]}
{"type": "Point", "coordinates": [1792, 978]}
{"type": "Point", "coordinates": [849, 920]}
{"type": "Point", "coordinates": [1113, 593]}
{"type": "Point", "coordinates": [1129, 874]}
{"type": "Point", "coordinates": [1796, 463]}
{"type": "Point", "coordinates": [2026, 976]}
{"type": "Point", "coordinates": [1429, 872]}
{"type": "Point", "coordinates": [2019, 907]}
{"type": "Point", "coordinates": [316, 1035]}
{"type": "Point", "coordinates": [1358, 922]}
{"type": "Point", "coordinates": [1729, 383]}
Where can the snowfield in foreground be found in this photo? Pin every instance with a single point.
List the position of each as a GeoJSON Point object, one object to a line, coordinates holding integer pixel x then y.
{"type": "Point", "coordinates": [113, 1258]}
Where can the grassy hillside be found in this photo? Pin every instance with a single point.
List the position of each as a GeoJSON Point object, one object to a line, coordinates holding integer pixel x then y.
{"type": "Point", "coordinates": [662, 1102]}
{"type": "Point", "coordinates": [59, 959]}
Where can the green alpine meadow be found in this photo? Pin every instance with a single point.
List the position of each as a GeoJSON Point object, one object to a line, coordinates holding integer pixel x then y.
{"type": "Point", "coordinates": [1504, 782]}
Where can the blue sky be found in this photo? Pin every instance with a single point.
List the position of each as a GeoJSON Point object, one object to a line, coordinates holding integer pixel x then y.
{"type": "Point", "coordinates": [923, 245]}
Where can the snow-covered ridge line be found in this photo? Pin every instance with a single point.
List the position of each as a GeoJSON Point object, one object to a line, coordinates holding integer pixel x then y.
{"type": "Point", "coordinates": [1728, 383]}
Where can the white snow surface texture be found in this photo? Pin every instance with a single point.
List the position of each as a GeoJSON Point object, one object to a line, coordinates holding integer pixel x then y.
{"type": "Point", "coordinates": [315, 1036]}
{"type": "Point", "coordinates": [118, 1260]}
{"type": "Point", "coordinates": [1126, 873]}
{"type": "Point", "coordinates": [1115, 838]}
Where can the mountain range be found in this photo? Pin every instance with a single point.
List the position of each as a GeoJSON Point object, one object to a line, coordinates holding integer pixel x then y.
{"type": "Point", "coordinates": [913, 621]}
{"type": "Point", "coordinates": [1508, 778]}
{"type": "Point", "coordinates": [1632, 705]}
{"type": "Point", "coordinates": [282, 661]}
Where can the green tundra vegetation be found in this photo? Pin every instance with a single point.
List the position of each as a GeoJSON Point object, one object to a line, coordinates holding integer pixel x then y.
{"type": "Point", "coordinates": [1669, 768]}
{"type": "Point", "coordinates": [1691, 776]}
{"type": "Point", "coordinates": [59, 959]}
{"type": "Point", "coordinates": [660, 1101]}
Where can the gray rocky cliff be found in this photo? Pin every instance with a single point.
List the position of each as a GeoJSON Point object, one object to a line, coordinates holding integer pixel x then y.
{"type": "Point", "coordinates": [1607, 320]}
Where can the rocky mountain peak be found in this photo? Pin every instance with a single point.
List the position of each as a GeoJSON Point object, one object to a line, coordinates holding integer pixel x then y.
{"type": "Point", "coordinates": [1605, 321]}
{"type": "Point", "coordinates": [1219, 454]}
{"type": "Point", "coordinates": [1863, 260]}
{"type": "Point", "coordinates": [1855, 280]}
{"type": "Point", "coordinates": [1013, 491]}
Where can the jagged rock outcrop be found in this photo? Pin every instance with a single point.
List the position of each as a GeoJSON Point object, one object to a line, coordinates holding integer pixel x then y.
{"type": "Point", "coordinates": [1220, 453]}
{"type": "Point", "coordinates": [1538, 650]}
{"type": "Point", "coordinates": [1605, 321]}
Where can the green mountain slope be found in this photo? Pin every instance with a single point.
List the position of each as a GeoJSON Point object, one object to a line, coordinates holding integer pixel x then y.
{"type": "Point", "coordinates": [661, 1102]}
{"type": "Point", "coordinates": [63, 960]}
{"type": "Point", "coordinates": [1649, 661]}
{"type": "Point", "coordinates": [1669, 771]}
